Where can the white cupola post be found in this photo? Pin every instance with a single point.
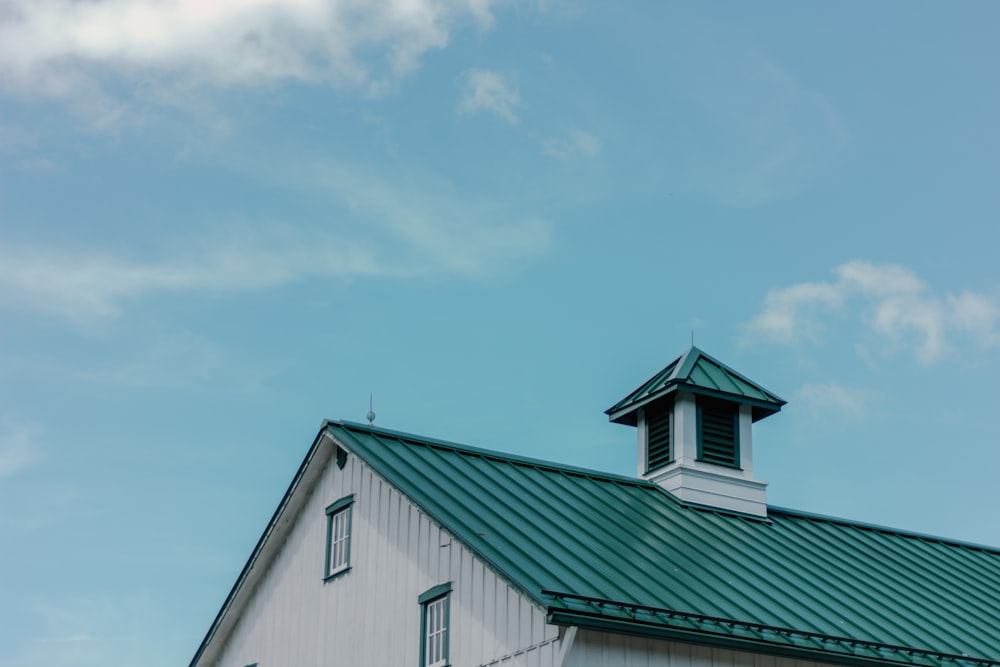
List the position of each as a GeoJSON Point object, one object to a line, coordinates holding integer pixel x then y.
{"type": "Point", "coordinates": [695, 432]}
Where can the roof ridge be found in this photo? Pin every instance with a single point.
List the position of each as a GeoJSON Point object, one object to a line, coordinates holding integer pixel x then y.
{"type": "Point", "coordinates": [541, 464]}
{"type": "Point", "coordinates": [686, 362]}
{"type": "Point", "coordinates": [600, 475]}
{"type": "Point", "coordinates": [879, 528]}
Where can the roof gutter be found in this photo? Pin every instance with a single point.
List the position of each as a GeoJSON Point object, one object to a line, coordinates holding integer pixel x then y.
{"type": "Point", "coordinates": [839, 651]}
{"type": "Point", "coordinates": [638, 629]}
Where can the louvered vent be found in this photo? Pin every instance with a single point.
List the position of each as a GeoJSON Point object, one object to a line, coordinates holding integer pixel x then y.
{"type": "Point", "coordinates": [717, 441]}
{"type": "Point", "coordinates": [660, 448]}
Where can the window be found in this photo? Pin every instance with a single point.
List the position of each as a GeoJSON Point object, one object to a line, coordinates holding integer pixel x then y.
{"type": "Point", "coordinates": [338, 537]}
{"type": "Point", "coordinates": [718, 432]}
{"type": "Point", "coordinates": [434, 620]}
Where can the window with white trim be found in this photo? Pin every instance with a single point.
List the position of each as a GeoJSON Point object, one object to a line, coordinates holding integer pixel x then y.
{"type": "Point", "coordinates": [338, 537]}
{"type": "Point", "coordinates": [434, 626]}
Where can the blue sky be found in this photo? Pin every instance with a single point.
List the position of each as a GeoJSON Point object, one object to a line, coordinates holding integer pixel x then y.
{"type": "Point", "coordinates": [219, 226]}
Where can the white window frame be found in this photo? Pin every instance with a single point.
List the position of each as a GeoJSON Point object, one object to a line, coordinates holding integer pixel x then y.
{"type": "Point", "coordinates": [338, 538]}
{"type": "Point", "coordinates": [435, 626]}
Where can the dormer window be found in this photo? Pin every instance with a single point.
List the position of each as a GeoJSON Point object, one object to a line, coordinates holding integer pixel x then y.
{"type": "Point", "coordinates": [659, 436]}
{"type": "Point", "coordinates": [718, 432]}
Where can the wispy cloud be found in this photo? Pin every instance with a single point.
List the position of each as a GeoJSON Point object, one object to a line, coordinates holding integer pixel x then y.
{"type": "Point", "coordinates": [835, 400]}
{"type": "Point", "coordinates": [17, 448]}
{"type": "Point", "coordinates": [896, 305]}
{"type": "Point", "coordinates": [486, 90]}
{"type": "Point", "coordinates": [576, 143]}
{"type": "Point", "coordinates": [87, 284]}
{"type": "Point", "coordinates": [399, 227]}
{"type": "Point", "coordinates": [174, 357]}
{"type": "Point", "coordinates": [68, 49]}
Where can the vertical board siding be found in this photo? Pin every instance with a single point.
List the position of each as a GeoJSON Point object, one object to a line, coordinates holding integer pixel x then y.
{"type": "Point", "coordinates": [601, 649]}
{"type": "Point", "coordinates": [369, 616]}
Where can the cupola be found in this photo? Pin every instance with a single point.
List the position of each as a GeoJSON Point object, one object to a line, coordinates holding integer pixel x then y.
{"type": "Point", "coordinates": [695, 432]}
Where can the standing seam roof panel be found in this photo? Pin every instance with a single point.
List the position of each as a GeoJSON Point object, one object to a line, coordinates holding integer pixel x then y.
{"type": "Point", "coordinates": [560, 529]}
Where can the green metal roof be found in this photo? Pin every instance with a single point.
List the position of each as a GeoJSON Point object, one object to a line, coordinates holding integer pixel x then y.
{"type": "Point", "coordinates": [697, 372]}
{"type": "Point", "coordinates": [619, 553]}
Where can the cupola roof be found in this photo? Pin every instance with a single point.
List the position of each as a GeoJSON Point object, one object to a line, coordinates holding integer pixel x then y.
{"type": "Point", "coordinates": [698, 373]}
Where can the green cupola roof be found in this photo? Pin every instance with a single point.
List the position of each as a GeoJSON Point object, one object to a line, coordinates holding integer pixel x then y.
{"type": "Point", "coordinates": [698, 373]}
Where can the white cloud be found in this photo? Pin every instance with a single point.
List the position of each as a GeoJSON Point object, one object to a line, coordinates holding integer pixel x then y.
{"type": "Point", "coordinates": [67, 49]}
{"type": "Point", "coordinates": [485, 90]}
{"type": "Point", "coordinates": [575, 144]}
{"type": "Point", "coordinates": [835, 400]}
{"type": "Point", "coordinates": [17, 449]}
{"type": "Point", "coordinates": [411, 226]}
{"type": "Point", "coordinates": [896, 305]}
{"type": "Point", "coordinates": [787, 311]}
{"type": "Point", "coordinates": [975, 314]}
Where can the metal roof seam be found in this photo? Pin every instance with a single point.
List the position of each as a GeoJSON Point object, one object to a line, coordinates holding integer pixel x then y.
{"type": "Point", "coordinates": [473, 499]}
{"type": "Point", "coordinates": [851, 523]}
{"type": "Point", "coordinates": [648, 550]}
{"type": "Point", "coordinates": [379, 466]}
{"type": "Point", "coordinates": [916, 595]}
{"type": "Point", "coordinates": [550, 535]}
{"type": "Point", "coordinates": [595, 546]}
{"type": "Point", "coordinates": [601, 507]}
{"type": "Point", "coordinates": [621, 538]}
{"type": "Point", "coordinates": [834, 558]}
{"type": "Point", "coordinates": [778, 573]}
{"type": "Point", "coordinates": [729, 564]}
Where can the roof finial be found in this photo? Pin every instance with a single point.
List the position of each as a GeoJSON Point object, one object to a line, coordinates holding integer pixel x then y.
{"type": "Point", "coordinates": [692, 337]}
{"type": "Point", "coordinates": [371, 415]}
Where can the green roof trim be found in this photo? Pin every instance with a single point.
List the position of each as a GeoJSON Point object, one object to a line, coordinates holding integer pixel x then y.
{"type": "Point", "coordinates": [699, 373]}
{"type": "Point", "coordinates": [598, 550]}
{"type": "Point", "coordinates": [723, 633]}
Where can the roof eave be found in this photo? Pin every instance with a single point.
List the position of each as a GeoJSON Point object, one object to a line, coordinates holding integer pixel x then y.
{"type": "Point", "coordinates": [597, 622]}
{"type": "Point", "coordinates": [626, 414]}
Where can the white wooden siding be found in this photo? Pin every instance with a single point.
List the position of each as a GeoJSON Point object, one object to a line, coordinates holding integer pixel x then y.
{"type": "Point", "coordinates": [601, 649]}
{"type": "Point", "coordinates": [369, 616]}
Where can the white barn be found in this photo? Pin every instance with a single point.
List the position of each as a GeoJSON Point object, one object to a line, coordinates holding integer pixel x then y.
{"type": "Point", "coordinates": [395, 549]}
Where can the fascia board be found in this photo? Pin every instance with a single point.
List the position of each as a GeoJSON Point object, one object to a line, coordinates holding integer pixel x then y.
{"type": "Point", "coordinates": [677, 385]}
{"type": "Point", "coordinates": [632, 407]}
